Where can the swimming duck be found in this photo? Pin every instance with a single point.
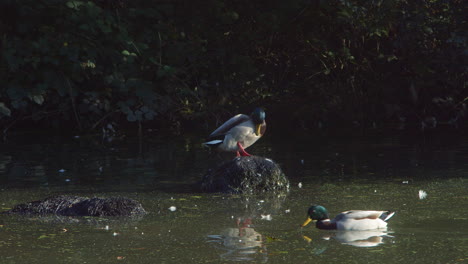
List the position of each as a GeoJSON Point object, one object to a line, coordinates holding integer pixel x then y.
{"type": "Point", "coordinates": [239, 132]}
{"type": "Point", "coordinates": [349, 220]}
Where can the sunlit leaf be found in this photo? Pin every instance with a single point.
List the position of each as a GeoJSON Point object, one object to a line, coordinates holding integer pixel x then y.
{"type": "Point", "coordinates": [4, 110]}
{"type": "Point", "coordinates": [74, 4]}
{"type": "Point", "coordinates": [38, 99]}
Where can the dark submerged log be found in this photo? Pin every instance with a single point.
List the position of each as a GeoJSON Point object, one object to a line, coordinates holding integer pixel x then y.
{"type": "Point", "coordinates": [68, 205]}
{"type": "Point", "coordinates": [251, 174]}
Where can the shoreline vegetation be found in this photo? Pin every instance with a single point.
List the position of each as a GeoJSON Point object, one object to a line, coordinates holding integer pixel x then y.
{"type": "Point", "coordinates": [91, 66]}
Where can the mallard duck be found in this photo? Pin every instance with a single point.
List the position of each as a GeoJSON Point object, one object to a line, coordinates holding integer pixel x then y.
{"type": "Point", "coordinates": [349, 220]}
{"type": "Point", "coordinates": [239, 132]}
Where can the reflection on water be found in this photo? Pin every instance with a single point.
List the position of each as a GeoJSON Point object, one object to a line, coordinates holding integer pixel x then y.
{"type": "Point", "coordinates": [359, 238]}
{"type": "Point", "coordinates": [358, 173]}
{"type": "Point", "coordinates": [356, 238]}
{"type": "Point", "coordinates": [241, 243]}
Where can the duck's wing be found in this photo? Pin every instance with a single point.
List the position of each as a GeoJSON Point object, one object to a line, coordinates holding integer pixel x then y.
{"type": "Point", "coordinates": [228, 125]}
{"type": "Point", "coordinates": [359, 215]}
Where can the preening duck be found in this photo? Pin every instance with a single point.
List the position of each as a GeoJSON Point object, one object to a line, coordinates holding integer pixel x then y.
{"type": "Point", "coordinates": [239, 133]}
{"type": "Point", "coordinates": [349, 220]}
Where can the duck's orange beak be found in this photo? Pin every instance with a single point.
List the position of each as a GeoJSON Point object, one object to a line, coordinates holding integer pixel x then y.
{"type": "Point", "coordinates": [306, 222]}
{"type": "Point", "coordinates": [257, 129]}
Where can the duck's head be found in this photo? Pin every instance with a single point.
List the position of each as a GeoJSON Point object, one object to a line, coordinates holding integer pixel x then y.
{"type": "Point", "coordinates": [258, 117]}
{"type": "Point", "coordinates": [316, 212]}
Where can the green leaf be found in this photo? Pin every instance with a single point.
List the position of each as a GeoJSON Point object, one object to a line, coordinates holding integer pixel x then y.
{"type": "Point", "coordinates": [74, 4]}
{"type": "Point", "coordinates": [38, 99]}
{"type": "Point", "coordinates": [125, 53]}
{"type": "Point", "coordinates": [149, 116]}
{"type": "Point", "coordinates": [144, 92]}
{"type": "Point", "coordinates": [4, 110]}
{"type": "Point", "coordinates": [144, 109]}
{"type": "Point", "coordinates": [139, 115]}
{"type": "Point", "coordinates": [131, 117]}
{"type": "Point", "coordinates": [165, 70]}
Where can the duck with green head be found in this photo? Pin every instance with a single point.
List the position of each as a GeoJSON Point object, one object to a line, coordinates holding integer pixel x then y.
{"type": "Point", "coordinates": [239, 132]}
{"type": "Point", "coordinates": [349, 220]}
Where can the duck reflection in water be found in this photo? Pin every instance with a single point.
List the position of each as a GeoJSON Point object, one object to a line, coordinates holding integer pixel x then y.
{"type": "Point", "coordinates": [239, 241]}
{"type": "Point", "coordinates": [371, 238]}
{"type": "Point", "coordinates": [242, 243]}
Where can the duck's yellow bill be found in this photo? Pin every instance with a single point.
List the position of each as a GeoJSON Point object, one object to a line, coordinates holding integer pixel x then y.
{"type": "Point", "coordinates": [306, 222]}
{"type": "Point", "coordinates": [257, 130]}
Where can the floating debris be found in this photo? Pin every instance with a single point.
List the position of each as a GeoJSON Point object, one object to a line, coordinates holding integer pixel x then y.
{"type": "Point", "coordinates": [299, 185]}
{"type": "Point", "coordinates": [422, 194]}
{"type": "Point", "coordinates": [266, 217]}
{"type": "Point", "coordinates": [115, 234]}
{"type": "Point", "coordinates": [404, 182]}
{"type": "Point", "coordinates": [172, 208]}
{"type": "Point", "coordinates": [287, 211]}
{"type": "Point", "coordinates": [61, 170]}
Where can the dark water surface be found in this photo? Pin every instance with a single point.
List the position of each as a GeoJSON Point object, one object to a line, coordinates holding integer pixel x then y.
{"type": "Point", "coordinates": [372, 172]}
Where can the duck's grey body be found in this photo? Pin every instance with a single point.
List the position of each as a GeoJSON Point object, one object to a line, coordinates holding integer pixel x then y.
{"type": "Point", "coordinates": [349, 220]}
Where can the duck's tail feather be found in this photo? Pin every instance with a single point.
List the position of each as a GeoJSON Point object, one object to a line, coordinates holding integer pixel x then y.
{"type": "Point", "coordinates": [212, 143]}
{"type": "Point", "coordinates": [387, 215]}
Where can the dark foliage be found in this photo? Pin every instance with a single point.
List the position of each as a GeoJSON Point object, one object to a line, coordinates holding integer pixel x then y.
{"type": "Point", "coordinates": [90, 63]}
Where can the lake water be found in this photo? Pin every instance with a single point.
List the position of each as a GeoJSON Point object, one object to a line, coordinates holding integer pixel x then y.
{"type": "Point", "coordinates": [340, 173]}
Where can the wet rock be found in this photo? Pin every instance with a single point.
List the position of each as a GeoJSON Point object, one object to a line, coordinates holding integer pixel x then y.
{"type": "Point", "coordinates": [251, 174]}
{"type": "Point", "coordinates": [68, 205]}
